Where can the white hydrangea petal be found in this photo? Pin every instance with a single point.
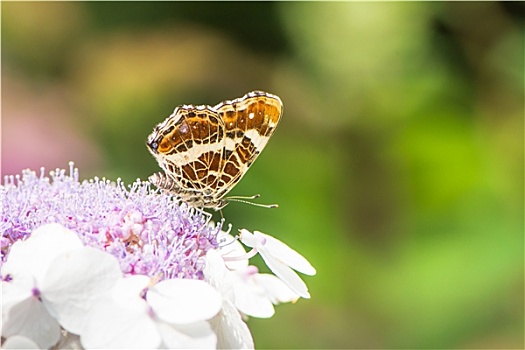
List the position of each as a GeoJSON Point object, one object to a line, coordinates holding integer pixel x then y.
{"type": "Point", "coordinates": [198, 335]}
{"type": "Point", "coordinates": [248, 239]}
{"type": "Point", "coordinates": [286, 254]}
{"type": "Point", "coordinates": [19, 342]}
{"type": "Point", "coordinates": [23, 281]}
{"type": "Point", "coordinates": [74, 280]}
{"type": "Point", "coordinates": [17, 263]}
{"type": "Point", "coordinates": [215, 270]}
{"type": "Point", "coordinates": [250, 299]}
{"type": "Point", "coordinates": [35, 253]}
{"type": "Point", "coordinates": [276, 289]}
{"type": "Point", "coordinates": [218, 276]}
{"type": "Point", "coordinates": [108, 325]}
{"type": "Point", "coordinates": [182, 301]}
{"type": "Point", "coordinates": [229, 244]}
{"type": "Point", "coordinates": [14, 293]}
{"type": "Point", "coordinates": [231, 331]}
{"type": "Point", "coordinates": [127, 292]}
{"type": "Point", "coordinates": [285, 273]}
{"type": "Point", "coordinates": [232, 248]}
{"type": "Point", "coordinates": [29, 318]}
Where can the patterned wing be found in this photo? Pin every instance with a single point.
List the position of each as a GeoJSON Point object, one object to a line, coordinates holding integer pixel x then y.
{"type": "Point", "coordinates": [249, 123]}
{"type": "Point", "coordinates": [188, 146]}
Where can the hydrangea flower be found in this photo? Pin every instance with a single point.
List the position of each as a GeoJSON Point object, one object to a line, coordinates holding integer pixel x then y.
{"type": "Point", "coordinates": [96, 264]}
{"type": "Point", "coordinates": [281, 259]}
{"type": "Point", "coordinates": [146, 231]}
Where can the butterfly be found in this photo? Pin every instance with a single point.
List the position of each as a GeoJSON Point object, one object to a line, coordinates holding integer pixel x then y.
{"type": "Point", "coordinates": [205, 151]}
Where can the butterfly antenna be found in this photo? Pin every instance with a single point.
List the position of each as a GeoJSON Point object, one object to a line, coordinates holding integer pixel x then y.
{"type": "Point", "coordinates": [244, 197]}
{"type": "Point", "coordinates": [241, 199]}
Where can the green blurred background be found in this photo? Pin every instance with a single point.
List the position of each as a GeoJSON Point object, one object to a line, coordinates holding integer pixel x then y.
{"type": "Point", "coordinates": [398, 164]}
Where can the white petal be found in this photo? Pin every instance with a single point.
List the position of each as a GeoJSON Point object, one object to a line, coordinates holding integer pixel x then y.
{"type": "Point", "coordinates": [229, 244]}
{"type": "Point", "coordinates": [285, 273]}
{"type": "Point", "coordinates": [19, 342]}
{"type": "Point", "coordinates": [108, 325]}
{"type": "Point", "coordinates": [232, 248]}
{"type": "Point", "coordinates": [29, 318]}
{"type": "Point", "coordinates": [198, 335]}
{"type": "Point", "coordinates": [183, 301]}
{"type": "Point", "coordinates": [249, 239]}
{"type": "Point", "coordinates": [14, 293]}
{"type": "Point", "coordinates": [285, 254]}
{"type": "Point", "coordinates": [217, 275]}
{"type": "Point", "coordinates": [232, 332]}
{"type": "Point", "coordinates": [250, 299]}
{"type": "Point", "coordinates": [35, 253]}
{"type": "Point", "coordinates": [127, 292]}
{"type": "Point", "coordinates": [276, 289]}
{"type": "Point", "coordinates": [74, 280]}
{"type": "Point", "coordinates": [215, 269]}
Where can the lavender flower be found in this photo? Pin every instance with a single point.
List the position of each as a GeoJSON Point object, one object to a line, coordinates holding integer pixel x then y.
{"type": "Point", "coordinates": [147, 231]}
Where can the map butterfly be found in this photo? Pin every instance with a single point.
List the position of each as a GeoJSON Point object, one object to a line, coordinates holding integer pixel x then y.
{"type": "Point", "coordinates": [205, 151]}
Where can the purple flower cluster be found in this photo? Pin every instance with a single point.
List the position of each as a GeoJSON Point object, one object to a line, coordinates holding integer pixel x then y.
{"type": "Point", "coordinates": [149, 232]}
